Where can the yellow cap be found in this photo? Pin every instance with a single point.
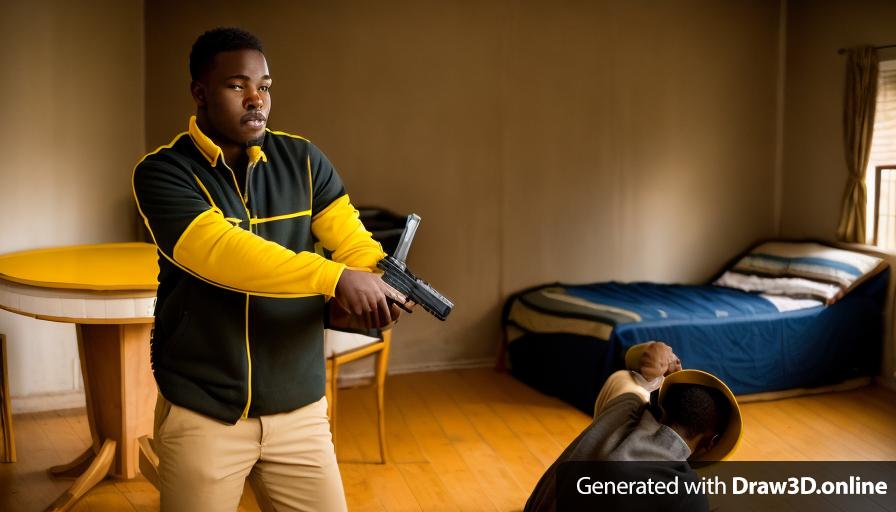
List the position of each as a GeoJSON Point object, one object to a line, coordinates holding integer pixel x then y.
{"type": "Point", "coordinates": [729, 439]}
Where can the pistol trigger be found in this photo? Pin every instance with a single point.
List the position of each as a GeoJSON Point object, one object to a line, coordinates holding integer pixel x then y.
{"type": "Point", "coordinates": [400, 304]}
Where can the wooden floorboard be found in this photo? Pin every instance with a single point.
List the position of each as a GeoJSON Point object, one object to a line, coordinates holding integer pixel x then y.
{"type": "Point", "coordinates": [458, 478]}
{"type": "Point", "coordinates": [468, 440]}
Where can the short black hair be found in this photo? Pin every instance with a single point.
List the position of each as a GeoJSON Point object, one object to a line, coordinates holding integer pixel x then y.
{"type": "Point", "coordinates": [215, 41]}
{"type": "Point", "coordinates": [697, 409]}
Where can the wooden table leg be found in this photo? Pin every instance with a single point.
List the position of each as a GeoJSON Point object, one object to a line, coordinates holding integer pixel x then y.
{"type": "Point", "coordinates": [149, 461]}
{"type": "Point", "coordinates": [121, 392]}
{"type": "Point", "coordinates": [121, 395]}
{"type": "Point", "coordinates": [95, 473]}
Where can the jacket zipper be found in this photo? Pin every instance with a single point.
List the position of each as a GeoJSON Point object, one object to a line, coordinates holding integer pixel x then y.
{"type": "Point", "coordinates": [249, 169]}
{"type": "Point", "coordinates": [248, 350]}
{"type": "Point", "coordinates": [244, 196]}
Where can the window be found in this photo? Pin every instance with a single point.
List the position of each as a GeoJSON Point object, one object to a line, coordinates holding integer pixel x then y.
{"type": "Point", "coordinates": [884, 234]}
{"type": "Point", "coordinates": [880, 176]}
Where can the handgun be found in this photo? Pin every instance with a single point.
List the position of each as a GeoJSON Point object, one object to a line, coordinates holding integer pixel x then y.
{"type": "Point", "coordinates": [399, 276]}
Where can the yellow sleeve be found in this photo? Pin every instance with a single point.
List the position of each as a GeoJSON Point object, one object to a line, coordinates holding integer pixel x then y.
{"type": "Point", "coordinates": [234, 258]}
{"type": "Point", "coordinates": [340, 231]}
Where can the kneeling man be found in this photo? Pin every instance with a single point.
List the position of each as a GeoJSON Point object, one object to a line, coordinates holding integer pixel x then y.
{"type": "Point", "coordinates": [696, 419]}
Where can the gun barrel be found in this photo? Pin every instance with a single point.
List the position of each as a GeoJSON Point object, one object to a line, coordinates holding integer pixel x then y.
{"type": "Point", "coordinates": [402, 279]}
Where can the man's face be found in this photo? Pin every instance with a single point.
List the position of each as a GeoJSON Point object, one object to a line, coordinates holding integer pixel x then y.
{"type": "Point", "coordinates": [235, 95]}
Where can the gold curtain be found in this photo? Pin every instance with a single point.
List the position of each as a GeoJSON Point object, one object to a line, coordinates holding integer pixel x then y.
{"type": "Point", "coordinates": [858, 125]}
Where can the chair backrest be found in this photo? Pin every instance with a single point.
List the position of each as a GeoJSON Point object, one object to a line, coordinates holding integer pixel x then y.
{"type": "Point", "coordinates": [385, 225]}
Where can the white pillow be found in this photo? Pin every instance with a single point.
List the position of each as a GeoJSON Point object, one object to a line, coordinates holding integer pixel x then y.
{"type": "Point", "coordinates": [801, 270]}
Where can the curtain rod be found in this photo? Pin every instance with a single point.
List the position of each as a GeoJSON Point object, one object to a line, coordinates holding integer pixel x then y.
{"type": "Point", "coordinates": [841, 51]}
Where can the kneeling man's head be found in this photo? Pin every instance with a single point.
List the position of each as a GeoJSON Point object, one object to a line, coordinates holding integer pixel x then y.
{"type": "Point", "coordinates": [703, 411]}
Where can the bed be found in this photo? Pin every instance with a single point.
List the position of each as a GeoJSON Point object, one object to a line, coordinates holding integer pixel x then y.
{"type": "Point", "coordinates": [784, 315]}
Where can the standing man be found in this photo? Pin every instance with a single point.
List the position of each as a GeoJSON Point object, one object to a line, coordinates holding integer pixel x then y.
{"type": "Point", "coordinates": [235, 210]}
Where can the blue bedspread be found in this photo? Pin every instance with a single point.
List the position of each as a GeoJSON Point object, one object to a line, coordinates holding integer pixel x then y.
{"type": "Point", "coordinates": [738, 336]}
{"type": "Point", "coordinates": [673, 302]}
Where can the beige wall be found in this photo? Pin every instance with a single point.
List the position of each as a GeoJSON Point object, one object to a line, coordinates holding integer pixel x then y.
{"type": "Point", "coordinates": [814, 162]}
{"type": "Point", "coordinates": [73, 129]}
{"type": "Point", "coordinates": [572, 140]}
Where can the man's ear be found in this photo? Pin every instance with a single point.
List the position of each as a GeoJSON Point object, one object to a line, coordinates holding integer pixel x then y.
{"type": "Point", "coordinates": [197, 89]}
{"type": "Point", "coordinates": [709, 441]}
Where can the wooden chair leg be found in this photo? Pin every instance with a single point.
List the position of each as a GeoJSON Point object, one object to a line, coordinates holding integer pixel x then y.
{"type": "Point", "coordinates": [382, 366]}
{"type": "Point", "coordinates": [8, 445]}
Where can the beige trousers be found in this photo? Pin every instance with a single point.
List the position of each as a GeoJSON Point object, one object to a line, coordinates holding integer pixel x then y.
{"type": "Point", "coordinates": [288, 458]}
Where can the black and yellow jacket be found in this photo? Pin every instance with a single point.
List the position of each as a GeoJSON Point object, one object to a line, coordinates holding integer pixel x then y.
{"type": "Point", "coordinates": [239, 315]}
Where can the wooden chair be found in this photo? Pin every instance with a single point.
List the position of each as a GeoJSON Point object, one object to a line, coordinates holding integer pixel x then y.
{"type": "Point", "coordinates": [8, 444]}
{"type": "Point", "coordinates": [342, 347]}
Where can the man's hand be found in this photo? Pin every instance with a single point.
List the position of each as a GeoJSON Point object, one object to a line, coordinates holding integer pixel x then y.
{"type": "Point", "coordinates": [364, 295]}
{"type": "Point", "coordinates": [342, 319]}
{"type": "Point", "coordinates": [658, 360]}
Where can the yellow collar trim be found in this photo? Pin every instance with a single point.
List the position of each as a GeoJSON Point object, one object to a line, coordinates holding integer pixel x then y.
{"type": "Point", "coordinates": [255, 154]}
{"type": "Point", "coordinates": [212, 152]}
{"type": "Point", "coordinates": [209, 149]}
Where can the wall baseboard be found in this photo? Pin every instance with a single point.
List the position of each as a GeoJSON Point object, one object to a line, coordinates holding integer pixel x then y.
{"type": "Point", "coordinates": [347, 380]}
{"type": "Point", "coordinates": [47, 402]}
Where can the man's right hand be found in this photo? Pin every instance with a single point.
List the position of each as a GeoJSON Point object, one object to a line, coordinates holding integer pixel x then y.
{"type": "Point", "coordinates": [365, 294]}
{"type": "Point", "coordinates": [658, 360]}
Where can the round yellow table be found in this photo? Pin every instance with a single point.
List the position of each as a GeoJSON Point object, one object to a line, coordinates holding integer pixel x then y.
{"type": "Point", "coordinates": [108, 291]}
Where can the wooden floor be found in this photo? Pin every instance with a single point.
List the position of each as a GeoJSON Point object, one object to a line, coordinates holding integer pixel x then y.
{"type": "Point", "coordinates": [463, 440]}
